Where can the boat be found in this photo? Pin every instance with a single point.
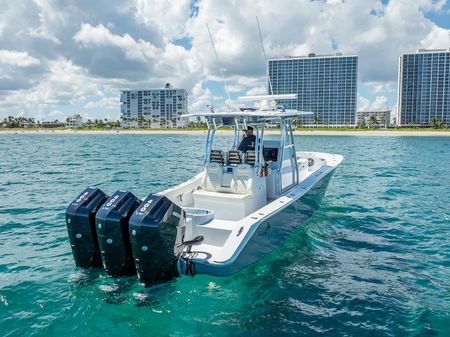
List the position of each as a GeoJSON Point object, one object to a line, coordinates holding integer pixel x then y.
{"type": "Point", "coordinates": [239, 207]}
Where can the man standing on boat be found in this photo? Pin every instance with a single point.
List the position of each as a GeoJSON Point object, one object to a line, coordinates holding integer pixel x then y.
{"type": "Point", "coordinates": [248, 143]}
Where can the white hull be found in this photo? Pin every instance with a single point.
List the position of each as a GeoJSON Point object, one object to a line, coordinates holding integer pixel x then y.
{"type": "Point", "coordinates": [231, 245]}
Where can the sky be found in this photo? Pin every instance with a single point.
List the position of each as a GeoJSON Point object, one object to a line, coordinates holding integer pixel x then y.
{"type": "Point", "coordinates": [61, 57]}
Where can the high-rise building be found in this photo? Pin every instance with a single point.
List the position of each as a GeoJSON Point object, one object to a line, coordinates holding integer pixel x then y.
{"type": "Point", "coordinates": [154, 107]}
{"type": "Point", "coordinates": [424, 88]}
{"type": "Point", "coordinates": [325, 85]}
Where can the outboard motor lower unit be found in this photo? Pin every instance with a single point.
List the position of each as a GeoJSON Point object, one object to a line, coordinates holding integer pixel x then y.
{"type": "Point", "coordinates": [112, 232]}
{"type": "Point", "coordinates": [156, 233]}
{"type": "Point", "coordinates": [80, 220]}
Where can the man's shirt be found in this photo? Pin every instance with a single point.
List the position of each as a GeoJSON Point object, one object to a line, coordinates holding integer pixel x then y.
{"type": "Point", "coordinates": [247, 144]}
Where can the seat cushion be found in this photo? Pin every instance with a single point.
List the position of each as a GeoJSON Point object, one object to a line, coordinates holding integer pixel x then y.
{"type": "Point", "coordinates": [212, 177]}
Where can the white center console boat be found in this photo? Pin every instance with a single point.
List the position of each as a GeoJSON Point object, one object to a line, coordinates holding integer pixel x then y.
{"type": "Point", "coordinates": [241, 206]}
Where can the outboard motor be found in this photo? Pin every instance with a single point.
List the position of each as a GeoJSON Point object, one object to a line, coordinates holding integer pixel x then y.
{"type": "Point", "coordinates": [80, 220]}
{"type": "Point", "coordinates": [112, 233]}
{"type": "Point", "coordinates": [156, 231]}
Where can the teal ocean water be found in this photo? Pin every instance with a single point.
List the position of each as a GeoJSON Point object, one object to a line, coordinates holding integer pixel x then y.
{"type": "Point", "coordinates": [374, 261]}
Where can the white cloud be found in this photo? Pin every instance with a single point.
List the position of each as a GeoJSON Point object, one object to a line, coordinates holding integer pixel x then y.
{"type": "Point", "coordinates": [201, 97]}
{"type": "Point", "coordinates": [65, 83]}
{"type": "Point", "coordinates": [170, 17]}
{"type": "Point", "coordinates": [177, 65]}
{"type": "Point", "coordinates": [42, 34]}
{"type": "Point", "coordinates": [378, 86]}
{"type": "Point", "coordinates": [363, 103]}
{"type": "Point", "coordinates": [232, 88]}
{"type": "Point", "coordinates": [437, 38]}
{"type": "Point", "coordinates": [431, 5]}
{"type": "Point", "coordinates": [48, 18]}
{"type": "Point", "coordinates": [100, 36]}
{"type": "Point", "coordinates": [105, 102]}
{"type": "Point", "coordinates": [380, 103]}
{"type": "Point", "coordinates": [18, 59]}
{"type": "Point", "coordinates": [259, 90]}
{"type": "Point", "coordinates": [55, 114]}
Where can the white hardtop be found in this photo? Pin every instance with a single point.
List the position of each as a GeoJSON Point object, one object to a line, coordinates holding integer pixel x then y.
{"type": "Point", "coordinates": [268, 110]}
{"type": "Point", "coordinates": [247, 113]}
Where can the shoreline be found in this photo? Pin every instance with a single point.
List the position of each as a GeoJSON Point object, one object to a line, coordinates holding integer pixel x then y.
{"type": "Point", "coordinates": [370, 133]}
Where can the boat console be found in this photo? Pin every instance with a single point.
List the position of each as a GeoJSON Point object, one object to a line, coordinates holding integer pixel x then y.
{"type": "Point", "coordinates": [232, 192]}
{"type": "Point", "coordinates": [235, 184]}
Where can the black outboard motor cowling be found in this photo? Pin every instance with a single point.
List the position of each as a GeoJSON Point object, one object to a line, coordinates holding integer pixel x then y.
{"type": "Point", "coordinates": [156, 233]}
{"type": "Point", "coordinates": [80, 220]}
{"type": "Point", "coordinates": [112, 233]}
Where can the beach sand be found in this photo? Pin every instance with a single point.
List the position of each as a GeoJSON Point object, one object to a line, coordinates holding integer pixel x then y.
{"type": "Point", "coordinates": [389, 133]}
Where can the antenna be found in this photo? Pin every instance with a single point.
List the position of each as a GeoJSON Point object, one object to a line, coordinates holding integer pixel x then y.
{"type": "Point", "coordinates": [218, 63]}
{"type": "Point", "coordinates": [265, 57]}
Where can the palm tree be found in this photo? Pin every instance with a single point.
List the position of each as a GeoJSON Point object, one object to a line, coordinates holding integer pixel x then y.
{"type": "Point", "coordinates": [434, 122]}
{"type": "Point", "coordinates": [162, 122]}
{"type": "Point", "coordinates": [437, 123]}
{"type": "Point", "coordinates": [316, 120]}
{"type": "Point", "coordinates": [297, 123]}
{"type": "Point", "coordinates": [140, 120]}
{"type": "Point", "coordinates": [362, 123]}
{"type": "Point", "coordinates": [373, 121]}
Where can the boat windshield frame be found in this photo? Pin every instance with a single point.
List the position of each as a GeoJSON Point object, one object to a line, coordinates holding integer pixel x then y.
{"type": "Point", "coordinates": [239, 121]}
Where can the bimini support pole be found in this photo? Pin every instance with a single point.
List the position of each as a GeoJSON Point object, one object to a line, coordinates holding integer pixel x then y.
{"type": "Point", "coordinates": [260, 146]}
{"type": "Point", "coordinates": [209, 140]}
{"type": "Point", "coordinates": [294, 154]}
{"type": "Point", "coordinates": [236, 134]}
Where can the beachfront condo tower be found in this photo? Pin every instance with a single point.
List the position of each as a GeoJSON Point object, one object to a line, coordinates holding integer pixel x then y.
{"type": "Point", "coordinates": [424, 88]}
{"type": "Point", "coordinates": [325, 85]}
{"type": "Point", "coordinates": [154, 107]}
